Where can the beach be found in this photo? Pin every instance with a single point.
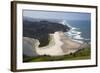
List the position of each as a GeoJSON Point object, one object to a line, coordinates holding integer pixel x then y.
{"type": "Point", "coordinates": [59, 45]}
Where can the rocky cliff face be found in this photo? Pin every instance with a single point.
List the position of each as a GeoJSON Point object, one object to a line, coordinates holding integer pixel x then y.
{"type": "Point", "coordinates": [41, 29]}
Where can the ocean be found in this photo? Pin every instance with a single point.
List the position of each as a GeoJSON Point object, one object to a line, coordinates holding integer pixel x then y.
{"type": "Point", "coordinates": [80, 29]}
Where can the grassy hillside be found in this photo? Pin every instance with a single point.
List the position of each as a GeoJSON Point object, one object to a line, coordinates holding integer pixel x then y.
{"type": "Point", "coordinates": [79, 55]}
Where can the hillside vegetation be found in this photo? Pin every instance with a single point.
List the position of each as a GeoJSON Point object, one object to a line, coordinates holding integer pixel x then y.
{"type": "Point", "coordinates": [79, 55]}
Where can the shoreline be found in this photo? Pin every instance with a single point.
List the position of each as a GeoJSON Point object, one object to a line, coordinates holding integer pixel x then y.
{"type": "Point", "coordinates": [63, 45]}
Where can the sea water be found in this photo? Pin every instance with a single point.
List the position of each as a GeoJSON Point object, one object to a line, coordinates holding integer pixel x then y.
{"type": "Point", "coordinates": [80, 29]}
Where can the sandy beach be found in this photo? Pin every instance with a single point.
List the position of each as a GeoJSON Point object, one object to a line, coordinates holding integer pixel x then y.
{"type": "Point", "coordinates": [59, 45]}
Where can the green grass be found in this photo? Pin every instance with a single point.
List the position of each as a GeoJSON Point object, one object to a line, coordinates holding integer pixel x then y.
{"type": "Point", "coordinates": [79, 55]}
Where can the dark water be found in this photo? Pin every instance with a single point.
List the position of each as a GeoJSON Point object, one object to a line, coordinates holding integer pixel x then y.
{"type": "Point", "coordinates": [83, 26]}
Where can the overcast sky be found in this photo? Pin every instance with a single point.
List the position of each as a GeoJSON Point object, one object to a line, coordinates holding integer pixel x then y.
{"type": "Point", "coordinates": [57, 15]}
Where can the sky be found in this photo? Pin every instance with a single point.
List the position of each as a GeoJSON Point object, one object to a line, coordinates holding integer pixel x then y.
{"type": "Point", "coordinates": [57, 15]}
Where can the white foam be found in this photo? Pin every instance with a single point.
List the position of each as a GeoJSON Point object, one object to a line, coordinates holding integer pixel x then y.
{"type": "Point", "coordinates": [78, 41]}
{"type": "Point", "coordinates": [74, 33]}
{"type": "Point", "coordinates": [78, 37]}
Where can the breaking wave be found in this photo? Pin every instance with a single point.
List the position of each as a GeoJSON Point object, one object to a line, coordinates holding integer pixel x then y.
{"type": "Point", "coordinates": [73, 33]}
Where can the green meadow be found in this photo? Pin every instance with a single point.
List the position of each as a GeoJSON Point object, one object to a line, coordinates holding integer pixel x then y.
{"type": "Point", "coordinates": [84, 53]}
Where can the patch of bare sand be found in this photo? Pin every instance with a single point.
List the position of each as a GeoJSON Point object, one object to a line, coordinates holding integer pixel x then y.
{"type": "Point", "coordinates": [69, 46]}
